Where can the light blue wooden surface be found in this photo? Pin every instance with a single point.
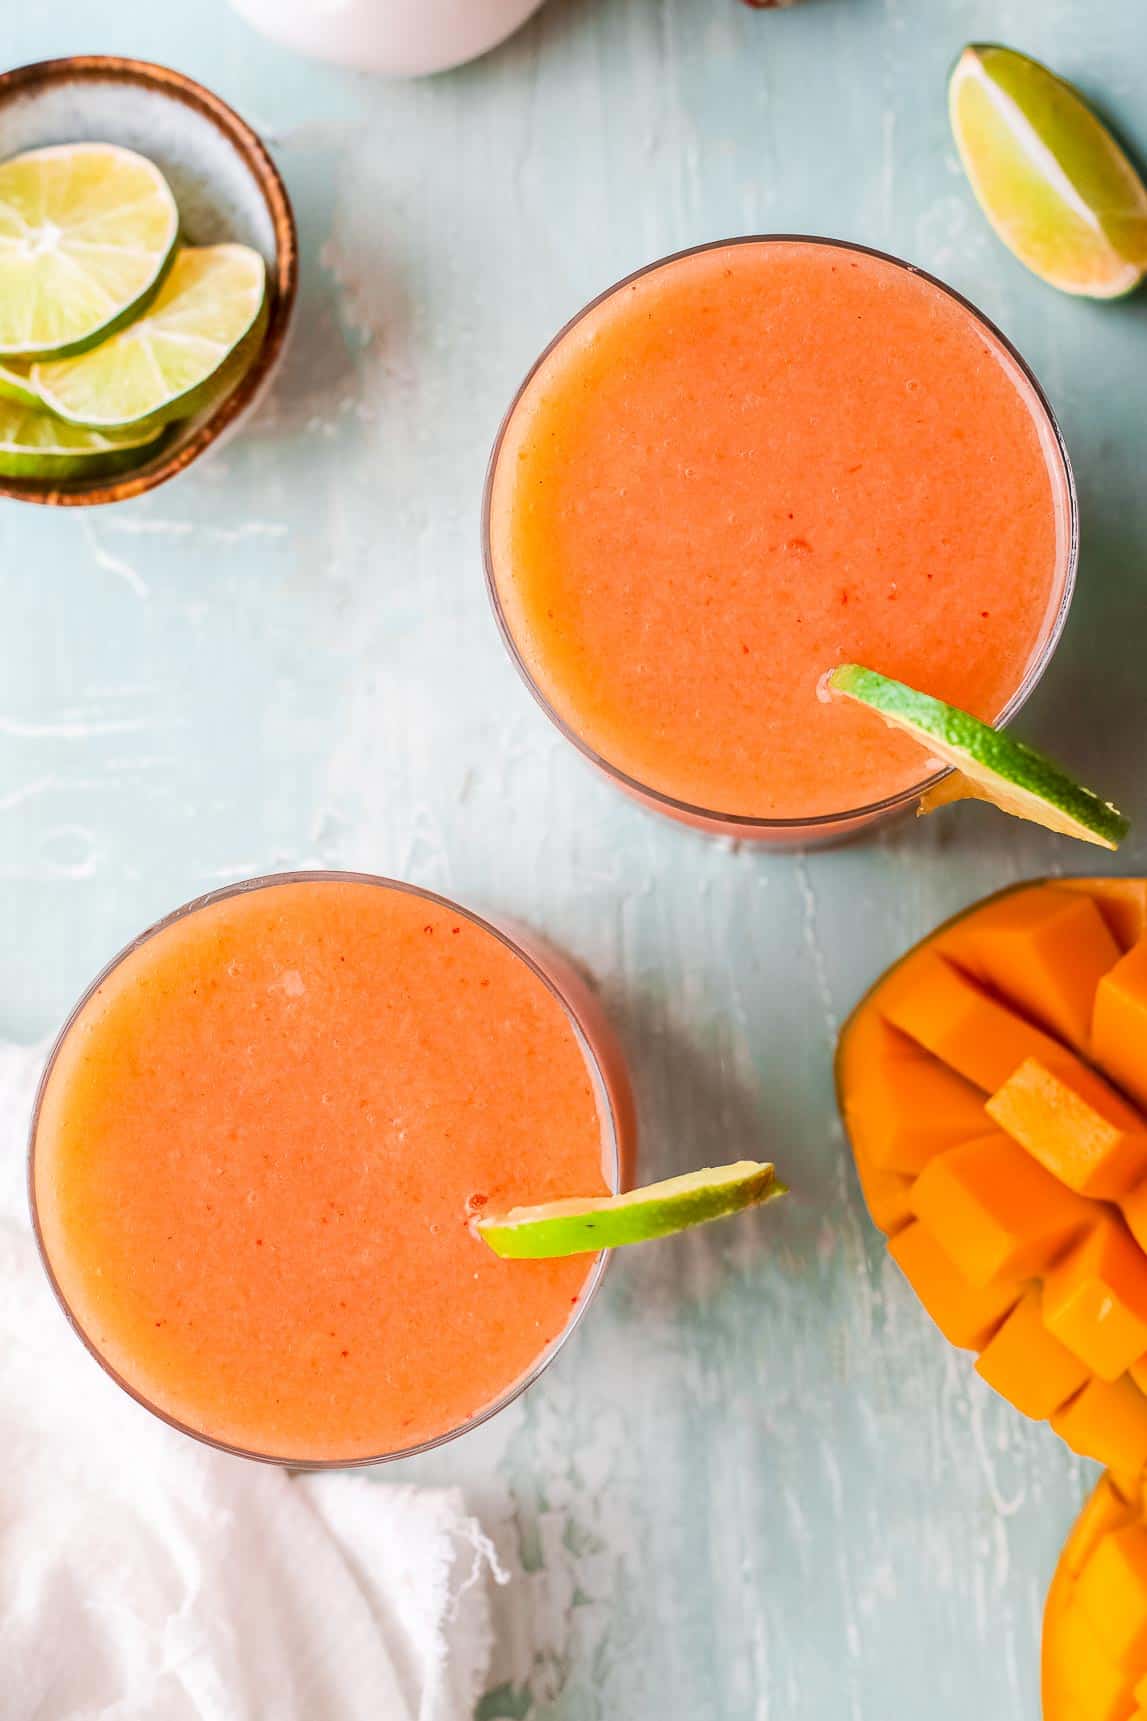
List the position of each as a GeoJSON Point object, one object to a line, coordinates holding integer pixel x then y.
{"type": "Point", "coordinates": [758, 1486]}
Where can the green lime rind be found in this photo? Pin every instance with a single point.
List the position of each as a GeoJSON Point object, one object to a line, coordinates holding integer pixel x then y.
{"type": "Point", "coordinates": [16, 384]}
{"type": "Point", "coordinates": [35, 445]}
{"type": "Point", "coordinates": [582, 1227]}
{"type": "Point", "coordinates": [190, 349]}
{"type": "Point", "coordinates": [1054, 184]}
{"type": "Point", "coordinates": [88, 232]}
{"type": "Point", "coordinates": [994, 766]}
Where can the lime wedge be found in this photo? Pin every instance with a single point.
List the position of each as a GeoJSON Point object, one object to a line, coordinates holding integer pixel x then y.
{"type": "Point", "coordinates": [989, 765]}
{"type": "Point", "coordinates": [86, 232]}
{"type": "Point", "coordinates": [1048, 175]}
{"type": "Point", "coordinates": [16, 384]}
{"type": "Point", "coordinates": [189, 348]}
{"type": "Point", "coordinates": [581, 1227]}
{"type": "Point", "coordinates": [35, 445]}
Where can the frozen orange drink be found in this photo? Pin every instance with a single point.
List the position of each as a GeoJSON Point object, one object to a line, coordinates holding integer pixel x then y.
{"type": "Point", "coordinates": [743, 466]}
{"type": "Point", "coordinates": [262, 1138]}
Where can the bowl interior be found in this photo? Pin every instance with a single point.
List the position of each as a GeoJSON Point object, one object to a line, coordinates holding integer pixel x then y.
{"type": "Point", "coordinates": [216, 180]}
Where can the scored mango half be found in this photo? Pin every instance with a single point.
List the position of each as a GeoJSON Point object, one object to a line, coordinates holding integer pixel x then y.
{"type": "Point", "coordinates": [993, 1086]}
{"type": "Point", "coordinates": [1095, 1621]}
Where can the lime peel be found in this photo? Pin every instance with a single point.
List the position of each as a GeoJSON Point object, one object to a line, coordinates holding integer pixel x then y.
{"type": "Point", "coordinates": [582, 1226]}
{"type": "Point", "coordinates": [87, 233]}
{"type": "Point", "coordinates": [988, 764]}
{"type": "Point", "coordinates": [35, 445]}
{"type": "Point", "coordinates": [16, 384]}
{"type": "Point", "coordinates": [189, 348]}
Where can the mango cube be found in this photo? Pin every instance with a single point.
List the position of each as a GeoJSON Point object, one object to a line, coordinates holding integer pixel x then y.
{"type": "Point", "coordinates": [1134, 1207]}
{"type": "Point", "coordinates": [1107, 1421]}
{"type": "Point", "coordinates": [1119, 1025]}
{"type": "Point", "coordinates": [956, 1020]}
{"type": "Point", "coordinates": [1044, 950]}
{"type": "Point", "coordinates": [967, 1317]}
{"type": "Point", "coordinates": [995, 1212]}
{"type": "Point", "coordinates": [1106, 1510]}
{"type": "Point", "coordinates": [1075, 1125]}
{"type": "Point", "coordinates": [1028, 1366]}
{"type": "Point", "coordinates": [1121, 901]}
{"type": "Point", "coordinates": [901, 1105]}
{"type": "Point", "coordinates": [1095, 1300]}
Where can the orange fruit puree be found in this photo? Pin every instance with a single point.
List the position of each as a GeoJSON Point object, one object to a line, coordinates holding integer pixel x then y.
{"type": "Point", "coordinates": [256, 1152]}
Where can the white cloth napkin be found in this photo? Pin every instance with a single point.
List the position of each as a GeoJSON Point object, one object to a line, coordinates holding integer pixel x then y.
{"type": "Point", "coordinates": [143, 1575]}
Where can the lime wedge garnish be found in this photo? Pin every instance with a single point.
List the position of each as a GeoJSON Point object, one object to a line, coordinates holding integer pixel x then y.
{"type": "Point", "coordinates": [989, 765]}
{"type": "Point", "coordinates": [188, 349]}
{"type": "Point", "coordinates": [1048, 174]}
{"type": "Point", "coordinates": [16, 384]}
{"type": "Point", "coordinates": [86, 232]}
{"type": "Point", "coordinates": [581, 1227]}
{"type": "Point", "coordinates": [36, 445]}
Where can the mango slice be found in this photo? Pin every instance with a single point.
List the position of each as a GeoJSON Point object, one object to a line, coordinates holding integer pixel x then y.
{"type": "Point", "coordinates": [1044, 950]}
{"type": "Point", "coordinates": [937, 1005]}
{"type": "Point", "coordinates": [1108, 1421]}
{"type": "Point", "coordinates": [886, 1195]}
{"type": "Point", "coordinates": [1112, 1591]}
{"type": "Point", "coordinates": [1094, 1659]}
{"type": "Point", "coordinates": [967, 1317]}
{"type": "Point", "coordinates": [1106, 1510]}
{"type": "Point", "coordinates": [1028, 1366]}
{"type": "Point", "coordinates": [1134, 1205]}
{"type": "Point", "coordinates": [1121, 901]}
{"type": "Point", "coordinates": [1119, 1028]}
{"type": "Point", "coordinates": [1080, 1681]}
{"type": "Point", "coordinates": [902, 1106]}
{"type": "Point", "coordinates": [1076, 1125]}
{"type": "Point", "coordinates": [1095, 1300]}
{"type": "Point", "coordinates": [996, 1213]}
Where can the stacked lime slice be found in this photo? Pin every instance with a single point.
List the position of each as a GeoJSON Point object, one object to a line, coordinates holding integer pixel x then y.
{"type": "Point", "coordinates": [109, 328]}
{"type": "Point", "coordinates": [34, 445]}
{"type": "Point", "coordinates": [17, 385]}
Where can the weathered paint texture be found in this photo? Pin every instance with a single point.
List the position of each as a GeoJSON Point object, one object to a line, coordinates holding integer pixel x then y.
{"type": "Point", "coordinates": [758, 1486]}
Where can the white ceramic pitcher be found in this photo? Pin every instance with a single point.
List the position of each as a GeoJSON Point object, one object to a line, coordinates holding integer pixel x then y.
{"type": "Point", "coordinates": [401, 37]}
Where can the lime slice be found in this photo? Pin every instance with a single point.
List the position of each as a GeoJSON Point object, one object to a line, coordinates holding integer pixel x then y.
{"type": "Point", "coordinates": [1048, 175]}
{"type": "Point", "coordinates": [35, 445]}
{"type": "Point", "coordinates": [86, 232]}
{"type": "Point", "coordinates": [581, 1227]}
{"type": "Point", "coordinates": [189, 349]}
{"type": "Point", "coordinates": [16, 384]}
{"type": "Point", "coordinates": [989, 765]}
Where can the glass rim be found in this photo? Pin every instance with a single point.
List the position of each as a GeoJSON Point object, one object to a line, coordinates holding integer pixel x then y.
{"type": "Point", "coordinates": [612, 1141]}
{"type": "Point", "coordinates": [748, 822]}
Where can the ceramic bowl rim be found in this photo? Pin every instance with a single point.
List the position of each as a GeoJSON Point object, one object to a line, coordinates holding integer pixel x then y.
{"type": "Point", "coordinates": [176, 86]}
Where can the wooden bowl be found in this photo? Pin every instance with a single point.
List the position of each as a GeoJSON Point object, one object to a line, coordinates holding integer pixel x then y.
{"type": "Point", "coordinates": [226, 187]}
